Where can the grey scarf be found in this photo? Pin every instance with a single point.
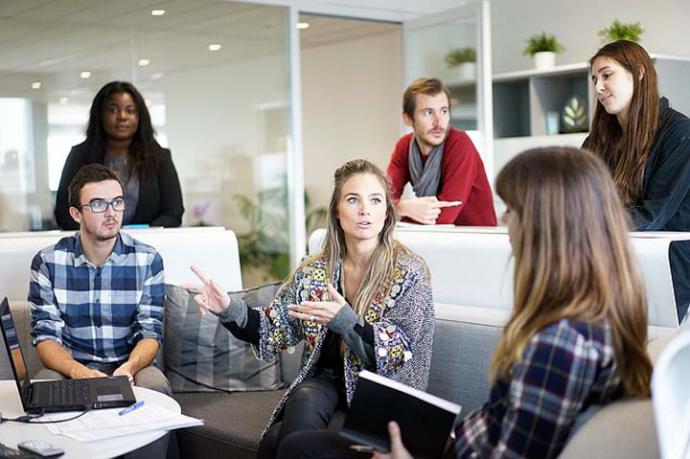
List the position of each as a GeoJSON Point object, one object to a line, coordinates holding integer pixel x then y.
{"type": "Point", "coordinates": [425, 176]}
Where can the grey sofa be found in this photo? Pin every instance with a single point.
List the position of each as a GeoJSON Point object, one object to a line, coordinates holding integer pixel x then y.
{"type": "Point", "coordinates": [233, 422]}
{"type": "Point", "coordinates": [461, 355]}
{"type": "Point", "coordinates": [472, 304]}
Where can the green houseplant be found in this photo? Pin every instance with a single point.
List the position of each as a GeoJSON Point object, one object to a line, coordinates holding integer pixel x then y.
{"type": "Point", "coordinates": [464, 60]}
{"type": "Point", "coordinates": [265, 248]}
{"type": "Point", "coordinates": [457, 56]}
{"type": "Point", "coordinates": [621, 31]}
{"type": "Point", "coordinates": [543, 48]}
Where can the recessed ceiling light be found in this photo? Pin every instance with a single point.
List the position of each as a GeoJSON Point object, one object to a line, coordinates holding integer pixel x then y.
{"type": "Point", "coordinates": [157, 76]}
{"type": "Point", "coordinates": [157, 12]}
{"type": "Point", "coordinates": [303, 25]}
{"type": "Point", "coordinates": [214, 47]}
{"type": "Point", "coordinates": [63, 100]}
{"type": "Point", "coordinates": [144, 62]}
{"type": "Point", "coordinates": [36, 85]}
{"type": "Point", "coordinates": [85, 75]}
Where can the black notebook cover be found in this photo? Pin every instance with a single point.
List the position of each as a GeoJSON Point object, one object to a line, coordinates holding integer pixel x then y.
{"type": "Point", "coordinates": [425, 420]}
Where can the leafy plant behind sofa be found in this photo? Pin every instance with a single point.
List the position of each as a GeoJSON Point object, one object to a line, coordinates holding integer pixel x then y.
{"type": "Point", "coordinates": [266, 246]}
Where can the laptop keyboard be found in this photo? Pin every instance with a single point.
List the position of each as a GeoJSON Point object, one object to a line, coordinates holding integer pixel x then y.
{"type": "Point", "coordinates": [71, 392]}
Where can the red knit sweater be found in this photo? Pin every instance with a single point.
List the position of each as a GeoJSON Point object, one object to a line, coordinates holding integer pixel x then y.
{"type": "Point", "coordinates": [462, 179]}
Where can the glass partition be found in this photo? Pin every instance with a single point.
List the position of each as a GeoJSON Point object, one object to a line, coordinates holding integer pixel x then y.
{"type": "Point", "coordinates": [215, 76]}
{"type": "Point", "coordinates": [455, 47]}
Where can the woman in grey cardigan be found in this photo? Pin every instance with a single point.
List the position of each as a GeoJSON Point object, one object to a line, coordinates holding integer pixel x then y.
{"type": "Point", "coordinates": [363, 302]}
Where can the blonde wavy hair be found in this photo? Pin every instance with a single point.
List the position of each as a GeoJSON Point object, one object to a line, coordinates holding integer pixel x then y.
{"type": "Point", "coordinates": [382, 265]}
{"type": "Point", "coordinates": [573, 261]}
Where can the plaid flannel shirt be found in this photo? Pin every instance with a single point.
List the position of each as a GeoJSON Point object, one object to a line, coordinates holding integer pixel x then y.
{"type": "Point", "coordinates": [97, 313]}
{"type": "Point", "coordinates": [565, 368]}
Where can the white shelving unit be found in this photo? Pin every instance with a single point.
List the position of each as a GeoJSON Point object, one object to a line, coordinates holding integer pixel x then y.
{"type": "Point", "coordinates": [521, 101]}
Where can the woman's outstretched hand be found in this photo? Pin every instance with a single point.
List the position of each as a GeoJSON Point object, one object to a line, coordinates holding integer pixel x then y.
{"type": "Point", "coordinates": [398, 450]}
{"type": "Point", "coordinates": [320, 312]}
{"type": "Point", "coordinates": [209, 295]}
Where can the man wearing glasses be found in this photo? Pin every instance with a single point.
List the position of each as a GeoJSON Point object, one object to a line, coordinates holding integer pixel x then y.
{"type": "Point", "coordinates": [96, 297]}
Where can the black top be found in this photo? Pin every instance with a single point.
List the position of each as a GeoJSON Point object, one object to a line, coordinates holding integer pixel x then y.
{"type": "Point", "coordinates": [665, 205]}
{"type": "Point", "coordinates": [666, 202]}
{"type": "Point", "coordinates": [666, 182]}
{"type": "Point", "coordinates": [160, 196]}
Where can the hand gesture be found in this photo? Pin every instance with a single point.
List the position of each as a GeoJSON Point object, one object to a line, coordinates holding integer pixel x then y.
{"type": "Point", "coordinates": [424, 210]}
{"type": "Point", "coordinates": [209, 296]}
{"type": "Point", "coordinates": [84, 372]}
{"type": "Point", "coordinates": [320, 312]}
{"type": "Point", "coordinates": [398, 450]}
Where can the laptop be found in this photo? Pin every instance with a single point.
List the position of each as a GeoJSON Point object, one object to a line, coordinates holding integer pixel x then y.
{"type": "Point", "coordinates": [65, 395]}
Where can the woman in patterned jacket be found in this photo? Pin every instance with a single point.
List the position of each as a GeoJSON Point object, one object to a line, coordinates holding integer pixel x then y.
{"type": "Point", "coordinates": [576, 338]}
{"type": "Point", "coordinates": [363, 302]}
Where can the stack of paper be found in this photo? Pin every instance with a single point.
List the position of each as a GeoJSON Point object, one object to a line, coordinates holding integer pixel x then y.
{"type": "Point", "coordinates": [105, 424]}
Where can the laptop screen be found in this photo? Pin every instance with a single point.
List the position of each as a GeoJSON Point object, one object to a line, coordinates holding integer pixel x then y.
{"type": "Point", "coordinates": [9, 335]}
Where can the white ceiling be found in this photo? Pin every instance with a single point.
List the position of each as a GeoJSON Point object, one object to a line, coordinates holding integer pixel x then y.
{"type": "Point", "coordinates": [52, 41]}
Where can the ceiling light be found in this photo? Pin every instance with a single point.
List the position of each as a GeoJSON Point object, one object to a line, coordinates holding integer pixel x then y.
{"type": "Point", "coordinates": [303, 25]}
{"type": "Point", "coordinates": [157, 12]}
{"type": "Point", "coordinates": [157, 76]}
{"type": "Point", "coordinates": [144, 62]}
{"type": "Point", "coordinates": [214, 47]}
{"type": "Point", "coordinates": [148, 102]}
{"type": "Point", "coordinates": [85, 75]}
{"type": "Point", "coordinates": [36, 85]}
{"type": "Point", "coordinates": [63, 100]}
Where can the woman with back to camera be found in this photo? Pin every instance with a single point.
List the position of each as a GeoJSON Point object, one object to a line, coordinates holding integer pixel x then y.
{"type": "Point", "coordinates": [576, 337]}
{"type": "Point", "coordinates": [120, 136]}
{"type": "Point", "coordinates": [362, 302]}
{"type": "Point", "coordinates": [646, 145]}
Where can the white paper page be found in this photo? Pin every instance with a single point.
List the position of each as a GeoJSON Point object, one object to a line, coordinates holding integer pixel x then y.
{"type": "Point", "coordinates": [102, 424]}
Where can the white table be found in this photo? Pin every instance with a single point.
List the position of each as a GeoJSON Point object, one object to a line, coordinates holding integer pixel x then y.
{"type": "Point", "coordinates": [12, 433]}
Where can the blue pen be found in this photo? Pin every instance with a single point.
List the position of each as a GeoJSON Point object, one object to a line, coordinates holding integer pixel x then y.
{"type": "Point", "coordinates": [131, 408]}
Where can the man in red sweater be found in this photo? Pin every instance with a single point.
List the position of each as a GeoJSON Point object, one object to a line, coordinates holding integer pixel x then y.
{"type": "Point", "coordinates": [440, 162]}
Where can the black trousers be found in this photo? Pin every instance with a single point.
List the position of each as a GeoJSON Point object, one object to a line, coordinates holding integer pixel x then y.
{"type": "Point", "coordinates": [310, 408]}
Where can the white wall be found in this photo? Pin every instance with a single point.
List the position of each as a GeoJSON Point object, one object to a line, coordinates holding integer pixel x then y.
{"type": "Point", "coordinates": [576, 24]}
{"type": "Point", "coordinates": [352, 95]}
{"type": "Point", "coordinates": [216, 127]}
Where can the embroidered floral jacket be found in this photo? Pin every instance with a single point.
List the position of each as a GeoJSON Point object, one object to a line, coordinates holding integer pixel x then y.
{"type": "Point", "coordinates": [403, 323]}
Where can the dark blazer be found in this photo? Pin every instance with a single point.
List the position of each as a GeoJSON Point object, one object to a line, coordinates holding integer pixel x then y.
{"type": "Point", "coordinates": [665, 205]}
{"type": "Point", "coordinates": [160, 196]}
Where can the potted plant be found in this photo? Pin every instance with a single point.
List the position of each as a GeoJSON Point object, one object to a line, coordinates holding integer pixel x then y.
{"type": "Point", "coordinates": [543, 48]}
{"type": "Point", "coordinates": [621, 31]}
{"type": "Point", "coordinates": [464, 59]}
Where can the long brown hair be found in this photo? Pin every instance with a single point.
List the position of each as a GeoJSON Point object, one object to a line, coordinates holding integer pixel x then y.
{"type": "Point", "coordinates": [382, 264]}
{"type": "Point", "coordinates": [569, 234]}
{"type": "Point", "coordinates": [626, 151]}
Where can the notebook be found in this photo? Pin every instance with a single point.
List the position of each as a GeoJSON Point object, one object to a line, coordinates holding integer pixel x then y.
{"type": "Point", "coordinates": [67, 395]}
{"type": "Point", "coordinates": [425, 420]}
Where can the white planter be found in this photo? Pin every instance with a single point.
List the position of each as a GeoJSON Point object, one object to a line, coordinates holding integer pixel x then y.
{"type": "Point", "coordinates": [544, 60]}
{"type": "Point", "coordinates": [467, 71]}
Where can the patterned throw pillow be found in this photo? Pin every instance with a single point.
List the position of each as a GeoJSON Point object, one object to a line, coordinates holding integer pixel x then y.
{"type": "Point", "coordinates": [202, 356]}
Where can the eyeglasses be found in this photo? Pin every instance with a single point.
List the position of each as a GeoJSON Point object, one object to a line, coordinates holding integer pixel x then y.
{"type": "Point", "coordinates": [98, 206]}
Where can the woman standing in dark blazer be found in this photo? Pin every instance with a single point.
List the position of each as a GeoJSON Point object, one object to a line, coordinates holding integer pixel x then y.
{"type": "Point", "coordinates": [120, 135]}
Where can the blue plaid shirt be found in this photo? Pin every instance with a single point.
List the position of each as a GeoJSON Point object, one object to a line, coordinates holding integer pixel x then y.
{"type": "Point", "coordinates": [566, 367]}
{"type": "Point", "coordinates": [97, 314]}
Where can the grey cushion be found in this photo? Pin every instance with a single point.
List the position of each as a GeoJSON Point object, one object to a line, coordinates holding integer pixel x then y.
{"type": "Point", "coordinates": [233, 423]}
{"type": "Point", "coordinates": [623, 429]}
{"type": "Point", "coordinates": [460, 364]}
{"type": "Point", "coordinates": [201, 355]}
